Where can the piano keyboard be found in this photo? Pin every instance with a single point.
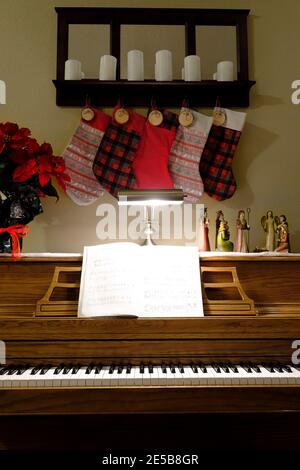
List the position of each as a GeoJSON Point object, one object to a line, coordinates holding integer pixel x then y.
{"type": "Point", "coordinates": [147, 375]}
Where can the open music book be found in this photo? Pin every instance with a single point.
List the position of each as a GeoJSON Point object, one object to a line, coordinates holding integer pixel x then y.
{"type": "Point", "coordinates": [128, 279]}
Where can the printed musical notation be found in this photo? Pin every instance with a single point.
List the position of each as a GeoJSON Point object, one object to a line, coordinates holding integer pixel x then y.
{"type": "Point", "coordinates": [126, 279]}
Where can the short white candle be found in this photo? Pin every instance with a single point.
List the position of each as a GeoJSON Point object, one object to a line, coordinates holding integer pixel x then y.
{"type": "Point", "coordinates": [225, 71]}
{"type": "Point", "coordinates": [163, 66]}
{"type": "Point", "coordinates": [192, 68]}
{"type": "Point", "coordinates": [108, 67]}
{"type": "Point", "coordinates": [73, 69]}
{"type": "Point", "coordinates": [135, 65]}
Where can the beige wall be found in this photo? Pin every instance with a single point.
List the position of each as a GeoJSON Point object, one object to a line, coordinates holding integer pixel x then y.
{"type": "Point", "coordinates": [266, 164]}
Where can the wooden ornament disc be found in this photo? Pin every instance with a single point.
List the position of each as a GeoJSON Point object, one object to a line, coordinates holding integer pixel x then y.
{"type": "Point", "coordinates": [185, 118]}
{"type": "Point", "coordinates": [219, 117]}
{"type": "Point", "coordinates": [87, 114]}
{"type": "Point", "coordinates": [155, 117]}
{"type": "Point", "coordinates": [121, 116]}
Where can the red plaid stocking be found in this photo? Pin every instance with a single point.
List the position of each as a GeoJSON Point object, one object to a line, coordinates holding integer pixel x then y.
{"type": "Point", "coordinates": [215, 164]}
{"type": "Point", "coordinates": [185, 156]}
{"type": "Point", "coordinates": [83, 188]}
{"type": "Point", "coordinates": [151, 163]}
{"type": "Point", "coordinates": [115, 156]}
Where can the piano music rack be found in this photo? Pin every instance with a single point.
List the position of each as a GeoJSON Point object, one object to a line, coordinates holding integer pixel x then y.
{"type": "Point", "coordinates": [233, 288]}
{"type": "Point", "coordinates": [48, 305]}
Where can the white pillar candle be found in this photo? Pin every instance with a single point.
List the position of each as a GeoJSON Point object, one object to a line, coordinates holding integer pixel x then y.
{"type": "Point", "coordinates": [192, 68]}
{"type": "Point", "coordinates": [135, 65]}
{"type": "Point", "coordinates": [73, 69]}
{"type": "Point", "coordinates": [108, 67]}
{"type": "Point", "coordinates": [225, 71]}
{"type": "Point", "coordinates": [164, 68]}
{"type": "Point", "coordinates": [2, 92]}
{"type": "Point", "coordinates": [215, 76]}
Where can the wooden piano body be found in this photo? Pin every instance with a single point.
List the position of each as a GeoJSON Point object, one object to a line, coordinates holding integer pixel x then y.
{"type": "Point", "coordinates": [261, 416]}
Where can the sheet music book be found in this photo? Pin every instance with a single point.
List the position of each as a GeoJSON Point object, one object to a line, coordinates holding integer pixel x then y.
{"type": "Point", "coordinates": [129, 279]}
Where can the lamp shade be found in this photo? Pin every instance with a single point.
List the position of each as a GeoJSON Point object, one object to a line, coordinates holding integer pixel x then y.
{"type": "Point", "coordinates": [149, 197]}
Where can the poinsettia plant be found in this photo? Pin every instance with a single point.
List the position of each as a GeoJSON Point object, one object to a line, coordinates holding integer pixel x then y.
{"type": "Point", "coordinates": [27, 170]}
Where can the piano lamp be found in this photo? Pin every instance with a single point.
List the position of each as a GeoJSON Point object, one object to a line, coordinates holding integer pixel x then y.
{"type": "Point", "coordinates": [2, 92]}
{"type": "Point", "coordinates": [149, 199]}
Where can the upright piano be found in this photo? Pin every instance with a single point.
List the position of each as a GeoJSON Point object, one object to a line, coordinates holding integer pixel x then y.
{"type": "Point", "coordinates": [136, 383]}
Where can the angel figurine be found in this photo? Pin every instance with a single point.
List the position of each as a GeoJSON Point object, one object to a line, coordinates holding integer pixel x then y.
{"type": "Point", "coordinates": [223, 235]}
{"type": "Point", "coordinates": [269, 224]}
{"type": "Point", "coordinates": [203, 240]}
{"type": "Point", "coordinates": [283, 240]}
{"type": "Point", "coordinates": [242, 228]}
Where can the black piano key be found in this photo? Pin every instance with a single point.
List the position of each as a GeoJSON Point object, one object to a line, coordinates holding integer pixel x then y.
{"type": "Point", "coordinates": [216, 368]}
{"type": "Point", "coordinates": [172, 369]}
{"type": "Point", "coordinates": [150, 368]}
{"type": "Point", "coordinates": [128, 369]}
{"type": "Point", "coordinates": [269, 368]}
{"type": "Point", "coordinates": [142, 368]}
{"type": "Point", "coordinates": [247, 368]}
{"type": "Point", "coordinates": [225, 368]}
{"type": "Point", "coordinates": [98, 369]}
{"type": "Point", "coordinates": [67, 369]}
{"type": "Point", "coordinates": [21, 370]}
{"type": "Point", "coordinates": [111, 369]}
{"type": "Point", "coordinates": [287, 369]}
{"type": "Point", "coordinates": [5, 371]}
{"type": "Point", "coordinates": [36, 370]}
{"type": "Point", "coordinates": [194, 368]}
{"type": "Point", "coordinates": [89, 368]}
{"type": "Point", "coordinates": [12, 370]}
{"type": "Point", "coordinates": [181, 368]}
{"type": "Point", "coordinates": [164, 369]}
{"type": "Point", "coordinates": [233, 368]}
{"type": "Point", "coordinates": [120, 369]}
{"type": "Point", "coordinates": [45, 369]}
{"type": "Point", "coordinates": [255, 368]}
{"type": "Point", "coordinates": [58, 369]}
{"type": "Point", "coordinates": [75, 369]}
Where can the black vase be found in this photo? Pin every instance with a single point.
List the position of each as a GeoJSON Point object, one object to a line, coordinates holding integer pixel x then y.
{"type": "Point", "coordinates": [6, 243]}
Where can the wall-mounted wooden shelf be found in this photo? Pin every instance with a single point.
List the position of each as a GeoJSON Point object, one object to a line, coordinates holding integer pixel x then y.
{"type": "Point", "coordinates": [171, 94]}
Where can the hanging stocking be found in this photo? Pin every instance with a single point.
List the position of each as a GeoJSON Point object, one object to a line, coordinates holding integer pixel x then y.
{"type": "Point", "coordinates": [83, 188]}
{"type": "Point", "coordinates": [215, 164]}
{"type": "Point", "coordinates": [115, 156]}
{"type": "Point", "coordinates": [186, 153]}
{"type": "Point", "coordinates": [151, 163]}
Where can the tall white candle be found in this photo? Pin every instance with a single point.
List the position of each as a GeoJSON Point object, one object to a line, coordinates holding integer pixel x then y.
{"type": "Point", "coordinates": [192, 68]}
{"type": "Point", "coordinates": [2, 92]}
{"type": "Point", "coordinates": [73, 69]}
{"type": "Point", "coordinates": [225, 71]}
{"type": "Point", "coordinates": [135, 65]}
{"type": "Point", "coordinates": [163, 66]}
{"type": "Point", "coordinates": [108, 67]}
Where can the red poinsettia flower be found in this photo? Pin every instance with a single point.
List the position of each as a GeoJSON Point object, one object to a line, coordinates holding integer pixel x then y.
{"type": "Point", "coordinates": [13, 137]}
{"type": "Point", "coordinates": [45, 164]}
{"type": "Point", "coordinates": [21, 156]}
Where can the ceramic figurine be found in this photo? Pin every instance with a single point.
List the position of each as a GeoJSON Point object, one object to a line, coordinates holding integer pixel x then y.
{"type": "Point", "coordinates": [223, 236]}
{"type": "Point", "coordinates": [203, 240]}
{"type": "Point", "coordinates": [218, 221]}
{"type": "Point", "coordinates": [242, 228]}
{"type": "Point", "coordinates": [282, 231]}
{"type": "Point", "coordinates": [269, 224]}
